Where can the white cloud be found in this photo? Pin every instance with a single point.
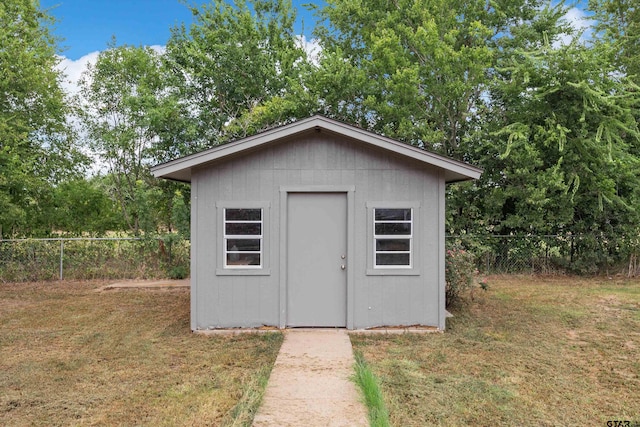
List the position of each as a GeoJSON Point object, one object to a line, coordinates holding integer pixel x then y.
{"type": "Point", "coordinates": [312, 47]}
{"type": "Point", "coordinates": [73, 69]}
{"type": "Point", "coordinates": [580, 22]}
{"type": "Point", "coordinates": [158, 48]}
{"type": "Point", "coordinates": [578, 19]}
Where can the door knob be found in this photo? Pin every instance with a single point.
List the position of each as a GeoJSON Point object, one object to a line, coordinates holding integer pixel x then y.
{"type": "Point", "coordinates": [343, 266]}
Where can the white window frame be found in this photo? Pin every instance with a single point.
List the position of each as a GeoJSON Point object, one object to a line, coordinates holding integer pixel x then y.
{"type": "Point", "coordinates": [377, 237]}
{"type": "Point", "coordinates": [226, 237]}
{"type": "Point", "coordinates": [219, 258]}
{"type": "Point", "coordinates": [417, 234]}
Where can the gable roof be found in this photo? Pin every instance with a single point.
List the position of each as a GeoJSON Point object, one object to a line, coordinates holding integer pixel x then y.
{"type": "Point", "coordinates": [180, 169]}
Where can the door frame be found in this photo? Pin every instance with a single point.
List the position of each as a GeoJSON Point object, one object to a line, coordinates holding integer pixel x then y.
{"type": "Point", "coordinates": [349, 190]}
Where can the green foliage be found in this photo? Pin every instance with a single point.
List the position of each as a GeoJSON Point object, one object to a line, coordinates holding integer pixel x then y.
{"type": "Point", "coordinates": [460, 267]}
{"type": "Point", "coordinates": [180, 213]}
{"type": "Point", "coordinates": [178, 272]}
{"type": "Point", "coordinates": [617, 23]}
{"type": "Point", "coordinates": [130, 116]}
{"type": "Point", "coordinates": [37, 147]}
{"type": "Point", "coordinates": [558, 142]}
{"type": "Point", "coordinates": [420, 70]}
{"type": "Point", "coordinates": [118, 93]}
{"type": "Point", "coordinates": [233, 59]}
{"type": "Point", "coordinates": [173, 256]}
{"type": "Point", "coordinates": [83, 206]}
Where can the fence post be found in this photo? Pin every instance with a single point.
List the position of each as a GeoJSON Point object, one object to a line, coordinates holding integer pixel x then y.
{"type": "Point", "coordinates": [61, 256]}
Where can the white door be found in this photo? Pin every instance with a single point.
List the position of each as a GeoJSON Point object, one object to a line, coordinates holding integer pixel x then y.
{"type": "Point", "coordinates": [316, 260]}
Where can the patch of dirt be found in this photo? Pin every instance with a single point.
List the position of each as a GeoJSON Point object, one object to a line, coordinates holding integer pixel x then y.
{"type": "Point", "coordinates": [574, 337]}
{"type": "Point", "coordinates": [609, 300]}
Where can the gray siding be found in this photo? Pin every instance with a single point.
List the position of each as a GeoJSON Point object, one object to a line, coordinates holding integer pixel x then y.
{"type": "Point", "coordinates": [314, 159]}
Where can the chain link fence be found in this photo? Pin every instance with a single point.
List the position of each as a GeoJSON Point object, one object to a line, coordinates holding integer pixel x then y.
{"type": "Point", "coordinates": [93, 258]}
{"type": "Point", "coordinates": [552, 254]}
{"type": "Point", "coordinates": [168, 256]}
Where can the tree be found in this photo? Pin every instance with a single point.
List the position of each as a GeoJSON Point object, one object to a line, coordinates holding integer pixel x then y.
{"type": "Point", "coordinates": [413, 70]}
{"type": "Point", "coordinates": [121, 95]}
{"type": "Point", "coordinates": [558, 145]}
{"type": "Point", "coordinates": [617, 22]}
{"type": "Point", "coordinates": [37, 146]}
{"type": "Point", "coordinates": [81, 206]}
{"type": "Point", "coordinates": [234, 59]}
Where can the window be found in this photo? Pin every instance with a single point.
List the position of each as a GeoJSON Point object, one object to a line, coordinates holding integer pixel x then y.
{"type": "Point", "coordinates": [243, 238]}
{"type": "Point", "coordinates": [392, 238]}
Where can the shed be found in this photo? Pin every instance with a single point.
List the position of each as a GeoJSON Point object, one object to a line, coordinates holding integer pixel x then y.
{"type": "Point", "coordinates": [317, 224]}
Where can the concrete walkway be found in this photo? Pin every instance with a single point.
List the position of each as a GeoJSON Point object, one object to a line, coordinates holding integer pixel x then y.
{"type": "Point", "coordinates": [310, 383]}
{"type": "Point", "coordinates": [146, 284]}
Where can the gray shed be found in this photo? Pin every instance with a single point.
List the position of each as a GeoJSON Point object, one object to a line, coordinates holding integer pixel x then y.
{"type": "Point", "coordinates": [317, 224]}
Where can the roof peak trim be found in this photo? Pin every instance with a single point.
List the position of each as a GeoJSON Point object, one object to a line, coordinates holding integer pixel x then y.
{"type": "Point", "coordinates": [180, 169]}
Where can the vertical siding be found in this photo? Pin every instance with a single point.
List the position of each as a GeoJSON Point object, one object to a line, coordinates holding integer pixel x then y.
{"type": "Point", "coordinates": [315, 159]}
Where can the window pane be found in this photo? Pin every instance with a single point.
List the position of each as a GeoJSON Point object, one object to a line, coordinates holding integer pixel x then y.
{"type": "Point", "coordinates": [393, 214]}
{"type": "Point", "coordinates": [393, 228]}
{"type": "Point", "coordinates": [393, 245]}
{"type": "Point", "coordinates": [243, 245]}
{"type": "Point", "coordinates": [392, 259]}
{"type": "Point", "coordinates": [243, 229]}
{"type": "Point", "coordinates": [243, 259]}
{"type": "Point", "coordinates": [243, 214]}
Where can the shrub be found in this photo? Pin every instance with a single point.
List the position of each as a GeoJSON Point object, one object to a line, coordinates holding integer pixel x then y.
{"type": "Point", "coordinates": [459, 272]}
{"type": "Point", "coordinates": [178, 272]}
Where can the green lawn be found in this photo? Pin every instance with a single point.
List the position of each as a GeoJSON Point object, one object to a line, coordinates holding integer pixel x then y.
{"type": "Point", "coordinates": [73, 356]}
{"type": "Point", "coordinates": [540, 351]}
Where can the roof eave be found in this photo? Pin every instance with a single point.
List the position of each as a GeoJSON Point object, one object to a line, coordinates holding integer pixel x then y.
{"type": "Point", "coordinates": [180, 169]}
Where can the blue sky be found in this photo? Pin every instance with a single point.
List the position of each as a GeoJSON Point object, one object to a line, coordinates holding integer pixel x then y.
{"type": "Point", "coordinates": [88, 25]}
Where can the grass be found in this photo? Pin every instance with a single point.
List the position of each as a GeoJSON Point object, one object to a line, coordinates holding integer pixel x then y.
{"type": "Point", "coordinates": [368, 383]}
{"type": "Point", "coordinates": [531, 351]}
{"type": "Point", "coordinates": [245, 410]}
{"type": "Point", "coordinates": [73, 356]}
